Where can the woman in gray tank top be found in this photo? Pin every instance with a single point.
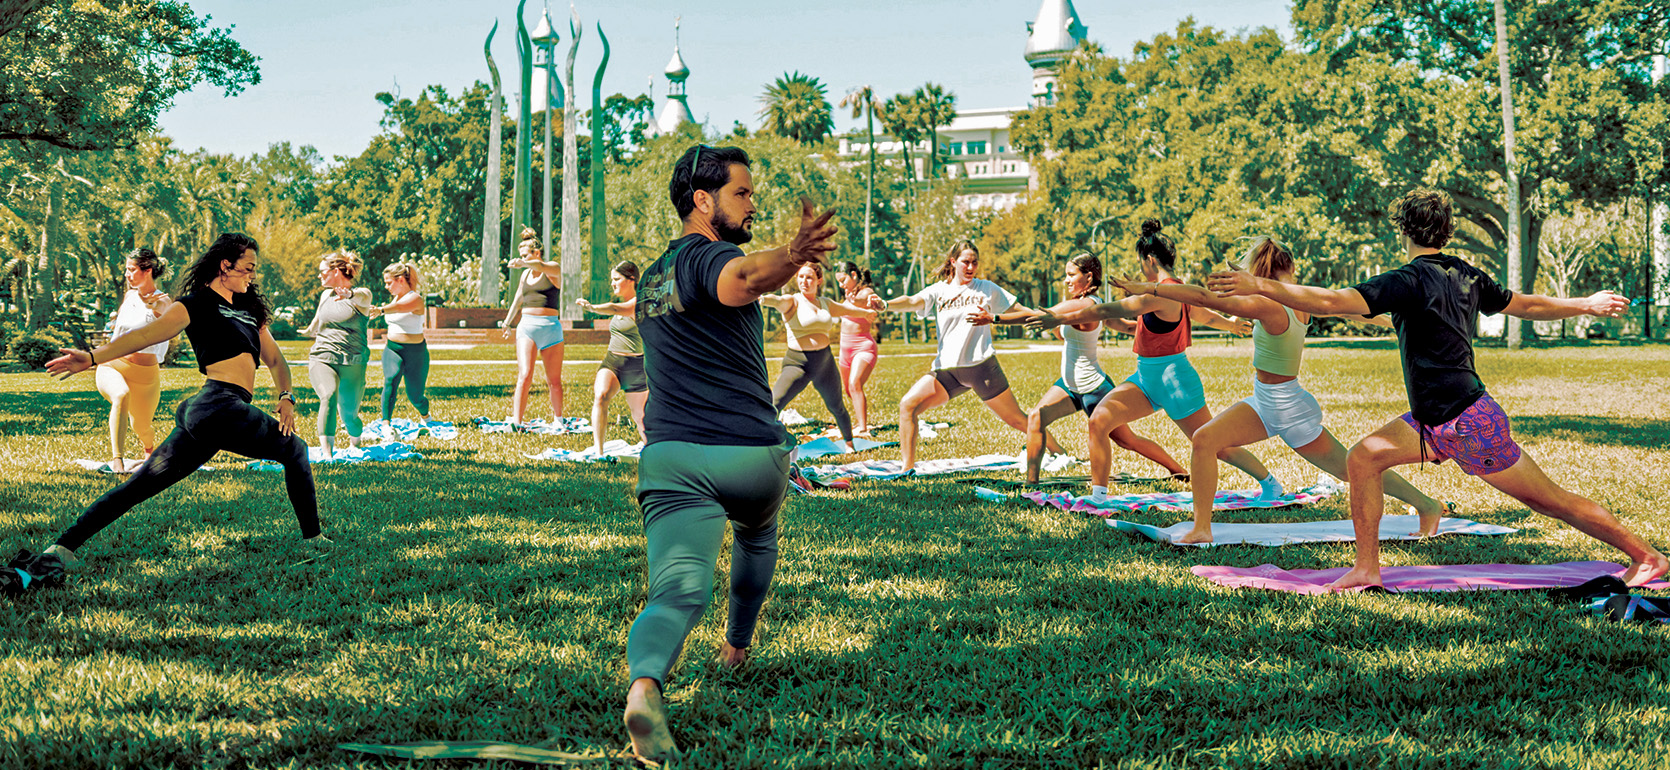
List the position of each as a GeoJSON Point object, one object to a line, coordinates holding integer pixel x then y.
{"type": "Point", "coordinates": [623, 366]}
{"type": "Point", "coordinates": [336, 362]}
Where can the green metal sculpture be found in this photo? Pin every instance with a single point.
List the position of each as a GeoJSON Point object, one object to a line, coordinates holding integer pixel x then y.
{"type": "Point", "coordinates": [571, 267]}
{"type": "Point", "coordinates": [521, 208]}
{"type": "Point", "coordinates": [487, 292]}
{"type": "Point", "coordinates": [599, 212]}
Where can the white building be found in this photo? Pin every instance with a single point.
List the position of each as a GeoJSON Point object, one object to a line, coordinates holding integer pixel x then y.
{"type": "Point", "coordinates": [975, 146]}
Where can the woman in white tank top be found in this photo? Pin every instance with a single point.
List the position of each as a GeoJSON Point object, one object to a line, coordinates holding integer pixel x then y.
{"type": "Point", "coordinates": [1082, 383]}
{"type": "Point", "coordinates": [133, 383]}
{"type": "Point", "coordinates": [811, 319]}
{"type": "Point", "coordinates": [405, 352]}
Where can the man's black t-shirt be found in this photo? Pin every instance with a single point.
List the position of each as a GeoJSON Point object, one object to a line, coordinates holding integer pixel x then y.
{"type": "Point", "coordinates": [1435, 302]}
{"type": "Point", "coordinates": [705, 360]}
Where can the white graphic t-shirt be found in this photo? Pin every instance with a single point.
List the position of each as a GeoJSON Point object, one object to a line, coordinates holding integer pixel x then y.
{"type": "Point", "coordinates": [960, 342]}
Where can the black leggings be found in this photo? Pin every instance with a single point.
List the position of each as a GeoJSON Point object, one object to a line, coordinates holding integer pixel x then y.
{"type": "Point", "coordinates": [817, 368]}
{"type": "Point", "coordinates": [217, 417]}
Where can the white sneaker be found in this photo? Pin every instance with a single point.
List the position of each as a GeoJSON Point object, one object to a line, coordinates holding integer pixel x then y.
{"type": "Point", "coordinates": [65, 555]}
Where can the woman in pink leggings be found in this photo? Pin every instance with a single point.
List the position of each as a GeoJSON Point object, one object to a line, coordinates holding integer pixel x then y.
{"type": "Point", "coordinates": [859, 350]}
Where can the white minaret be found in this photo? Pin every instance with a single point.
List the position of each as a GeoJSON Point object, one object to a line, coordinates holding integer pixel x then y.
{"type": "Point", "coordinates": [1055, 33]}
{"type": "Point", "coordinates": [676, 111]}
{"type": "Point", "coordinates": [544, 38]}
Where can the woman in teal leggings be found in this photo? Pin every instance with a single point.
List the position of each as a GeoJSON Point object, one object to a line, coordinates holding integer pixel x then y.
{"type": "Point", "coordinates": [336, 362]}
{"type": "Point", "coordinates": [406, 353]}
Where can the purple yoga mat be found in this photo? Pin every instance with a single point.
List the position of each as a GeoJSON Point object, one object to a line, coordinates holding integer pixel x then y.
{"type": "Point", "coordinates": [1438, 577]}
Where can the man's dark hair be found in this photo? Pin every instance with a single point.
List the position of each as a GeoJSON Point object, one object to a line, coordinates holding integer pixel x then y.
{"type": "Point", "coordinates": [1425, 216]}
{"type": "Point", "coordinates": [712, 167]}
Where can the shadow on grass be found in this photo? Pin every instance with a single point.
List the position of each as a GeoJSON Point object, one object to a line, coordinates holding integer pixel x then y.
{"type": "Point", "coordinates": [1589, 429]}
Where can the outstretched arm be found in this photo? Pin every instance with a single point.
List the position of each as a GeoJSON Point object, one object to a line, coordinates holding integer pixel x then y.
{"type": "Point", "coordinates": [777, 302]}
{"type": "Point", "coordinates": [746, 278]}
{"type": "Point", "coordinates": [411, 302]}
{"type": "Point", "coordinates": [1195, 296]}
{"type": "Point", "coordinates": [1537, 307]}
{"type": "Point", "coordinates": [1130, 307]}
{"type": "Point", "coordinates": [169, 324]}
{"type": "Point", "coordinates": [1218, 320]}
{"type": "Point", "coordinates": [1310, 299]}
{"type": "Point", "coordinates": [839, 309]}
{"type": "Point", "coordinates": [609, 308]}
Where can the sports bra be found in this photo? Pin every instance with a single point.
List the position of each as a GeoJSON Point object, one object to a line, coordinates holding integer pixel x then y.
{"type": "Point", "coordinates": [405, 323]}
{"type": "Point", "coordinates": [547, 293]}
{"type": "Point", "coordinates": [807, 318]}
{"type": "Point", "coordinates": [221, 330]}
{"type": "Point", "coordinates": [1156, 338]}
{"type": "Point", "coordinates": [130, 317]}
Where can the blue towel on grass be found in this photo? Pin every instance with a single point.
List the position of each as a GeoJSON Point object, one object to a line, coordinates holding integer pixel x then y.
{"type": "Point", "coordinates": [613, 450]}
{"type": "Point", "coordinates": [560, 427]}
{"type": "Point", "coordinates": [406, 430]}
{"type": "Point", "coordinates": [823, 447]}
{"type": "Point", "coordinates": [377, 453]}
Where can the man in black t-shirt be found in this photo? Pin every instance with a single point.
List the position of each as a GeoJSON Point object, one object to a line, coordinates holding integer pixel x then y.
{"type": "Point", "coordinates": [714, 450]}
{"type": "Point", "coordinates": [1435, 301]}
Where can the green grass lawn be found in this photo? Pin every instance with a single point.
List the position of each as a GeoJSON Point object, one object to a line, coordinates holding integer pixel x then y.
{"type": "Point", "coordinates": [478, 595]}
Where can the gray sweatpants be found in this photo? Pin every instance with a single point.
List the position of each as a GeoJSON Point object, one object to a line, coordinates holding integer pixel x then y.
{"type": "Point", "coordinates": [687, 492]}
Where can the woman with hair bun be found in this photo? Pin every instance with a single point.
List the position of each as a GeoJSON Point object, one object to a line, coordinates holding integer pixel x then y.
{"type": "Point", "coordinates": [405, 352]}
{"type": "Point", "coordinates": [336, 362]}
{"type": "Point", "coordinates": [1279, 405]}
{"type": "Point", "coordinates": [623, 364]}
{"type": "Point", "coordinates": [1164, 380]}
{"type": "Point", "coordinates": [539, 331]}
{"type": "Point", "coordinates": [859, 351]}
{"type": "Point", "coordinates": [1082, 384]}
{"type": "Point", "coordinates": [133, 383]}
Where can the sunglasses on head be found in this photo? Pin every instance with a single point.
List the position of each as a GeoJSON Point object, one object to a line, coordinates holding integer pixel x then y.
{"type": "Point", "coordinates": [695, 163]}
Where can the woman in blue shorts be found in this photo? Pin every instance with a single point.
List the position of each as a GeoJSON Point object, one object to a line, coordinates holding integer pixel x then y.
{"type": "Point", "coordinates": [539, 298]}
{"type": "Point", "coordinates": [1164, 380]}
{"type": "Point", "coordinates": [1082, 384]}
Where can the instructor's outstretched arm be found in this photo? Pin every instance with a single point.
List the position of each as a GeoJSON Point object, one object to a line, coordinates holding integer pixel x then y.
{"type": "Point", "coordinates": [748, 277]}
{"type": "Point", "coordinates": [1537, 307]}
{"type": "Point", "coordinates": [1311, 299]}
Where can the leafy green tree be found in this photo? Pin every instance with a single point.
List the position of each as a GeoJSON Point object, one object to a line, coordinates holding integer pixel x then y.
{"type": "Point", "coordinates": [797, 106]}
{"type": "Point", "coordinates": [935, 107]}
{"type": "Point", "coordinates": [626, 122]}
{"type": "Point", "coordinates": [95, 74]}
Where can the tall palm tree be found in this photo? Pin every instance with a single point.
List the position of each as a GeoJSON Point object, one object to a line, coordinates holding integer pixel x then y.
{"type": "Point", "coordinates": [936, 107]}
{"type": "Point", "coordinates": [797, 106]}
{"type": "Point", "coordinates": [863, 100]}
{"type": "Point", "coordinates": [898, 117]}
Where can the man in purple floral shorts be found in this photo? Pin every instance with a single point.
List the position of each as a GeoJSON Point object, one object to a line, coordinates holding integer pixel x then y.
{"type": "Point", "coordinates": [1435, 301]}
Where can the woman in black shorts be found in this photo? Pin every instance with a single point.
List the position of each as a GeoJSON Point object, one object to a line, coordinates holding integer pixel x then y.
{"type": "Point", "coordinates": [623, 365]}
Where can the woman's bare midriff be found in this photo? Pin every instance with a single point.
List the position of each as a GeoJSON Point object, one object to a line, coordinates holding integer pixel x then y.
{"type": "Point", "coordinates": [1273, 379]}
{"type": "Point", "coordinates": [239, 371]}
{"type": "Point", "coordinates": [141, 359]}
{"type": "Point", "coordinates": [541, 311]}
{"type": "Point", "coordinates": [808, 342]}
{"type": "Point", "coordinates": [404, 338]}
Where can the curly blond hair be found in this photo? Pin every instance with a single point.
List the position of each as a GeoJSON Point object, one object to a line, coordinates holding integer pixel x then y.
{"type": "Point", "coordinates": [346, 261]}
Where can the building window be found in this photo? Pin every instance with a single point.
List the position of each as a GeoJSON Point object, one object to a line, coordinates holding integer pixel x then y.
{"type": "Point", "coordinates": [977, 148]}
{"type": "Point", "coordinates": [956, 148]}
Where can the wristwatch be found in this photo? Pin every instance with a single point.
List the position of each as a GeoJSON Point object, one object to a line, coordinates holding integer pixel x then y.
{"type": "Point", "coordinates": [287, 396]}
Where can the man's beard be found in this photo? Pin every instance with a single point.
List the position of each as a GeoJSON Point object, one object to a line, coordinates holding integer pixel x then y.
{"type": "Point", "coordinates": [729, 232]}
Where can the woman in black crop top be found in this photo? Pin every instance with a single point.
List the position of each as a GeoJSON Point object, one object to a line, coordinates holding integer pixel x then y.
{"type": "Point", "coordinates": [539, 331]}
{"type": "Point", "coordinates": [225, 318]}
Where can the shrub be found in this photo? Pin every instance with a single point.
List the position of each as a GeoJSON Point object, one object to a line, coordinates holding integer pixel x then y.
{"type": "Point", "coordinates": [35, 348]}
{"type": "Point", "coordinates": [282, 328]}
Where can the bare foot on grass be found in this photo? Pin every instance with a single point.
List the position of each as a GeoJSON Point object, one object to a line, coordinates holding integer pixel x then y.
{"type": "Point", "coordinates": [646, 722]}
{"type": "Point", "coordinates": [1196, 535]}
{"type": "Point", "coordinates": [1646, 570]}
{"type": "Point", "coordinates": [732, 657]}
{"type": "Point", "coordinates": [1358, 577]}
{"type": "Point", "coordinates": [1431, 519]}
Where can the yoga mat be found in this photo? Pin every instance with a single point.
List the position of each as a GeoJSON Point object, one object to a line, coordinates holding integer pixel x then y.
{"type": "Point", "coordinates": [475, 750]}
{"type": "Point", "coordinates": [613, 450]}
{"type": "Point", "coordinates": [1068, 482]}
{"type": "Point", "coordinates": [561, 427]}
{"type": "Point", "coordinates": [103, 466]}
{"type": "Point", "coordinates": [1449, 577]}
{"type": "Point", "coordinates": [406, 430]}
{"type": "Point", "coordinates": [824, 447]}
{"type": "Point", "coordinates": [376, 453]}
{"type": "Point", "coordinates": [1183, 501]}
{"type": "Point", "coordinates": [887, 470]}
{"type": "Point", "coordinates": [1291, 532]}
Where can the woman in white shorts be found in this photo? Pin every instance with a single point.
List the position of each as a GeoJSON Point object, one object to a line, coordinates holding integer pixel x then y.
{"type": "Point", "coordinates": [1279, 406]}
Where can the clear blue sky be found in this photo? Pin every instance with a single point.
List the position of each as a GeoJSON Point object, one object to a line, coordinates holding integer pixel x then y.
{"type": "Point", "coordinates": [322, 62]}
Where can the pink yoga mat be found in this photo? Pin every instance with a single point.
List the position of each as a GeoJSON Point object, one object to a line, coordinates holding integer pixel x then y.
{"type": "Point", "coordinates": [1446, 577]}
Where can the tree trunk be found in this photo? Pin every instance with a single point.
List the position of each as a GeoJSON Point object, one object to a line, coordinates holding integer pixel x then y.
{"type": "Point", "coordinates": [44, 274]}
{"type": "Point", "coordinates": [1516, 327]}
{"type": "Point", "coordinates": [869, 181]}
